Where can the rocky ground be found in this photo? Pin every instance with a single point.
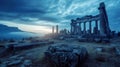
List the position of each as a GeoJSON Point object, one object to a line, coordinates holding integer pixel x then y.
{"type": "Point", "coordinates": [100, 55]}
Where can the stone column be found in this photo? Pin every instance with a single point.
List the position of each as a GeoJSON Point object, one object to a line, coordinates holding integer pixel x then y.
{"type": "Point", "coordinates": [80, 28]}
{"type": "Point", "coordinates": [75, 28]}
{"type": "Point", "coordinates": [104, 24]}
{"type": "Point", "coordinates": [84, 27]}
{"type": "Point", "coordinates": [56, 29]}
{"type": "Point", "coordinates": [96, 24]}
{"type": "Point", "coordinates": [71, 28]}
{"type": "Point", "coordinates": [90, 28]}
{"type": "Point", "coordinates": [52, 29]}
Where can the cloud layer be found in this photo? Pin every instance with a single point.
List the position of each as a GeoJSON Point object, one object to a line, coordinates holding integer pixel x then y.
{"type": "Point", "coordinates": [52, 12]}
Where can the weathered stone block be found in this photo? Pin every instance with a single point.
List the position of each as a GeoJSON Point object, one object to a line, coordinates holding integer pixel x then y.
{"type": "Point", "coordinates": [66, 55]}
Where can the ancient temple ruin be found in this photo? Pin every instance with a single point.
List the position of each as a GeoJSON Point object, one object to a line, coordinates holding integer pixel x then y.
{"type": "Point", "coordinates": [101, 24]}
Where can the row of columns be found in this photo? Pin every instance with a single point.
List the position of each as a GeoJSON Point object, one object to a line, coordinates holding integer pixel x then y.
{"type": "Point", "coordinates": [76, 27]}
{"type": "Point", "coordinates": [102, 17]}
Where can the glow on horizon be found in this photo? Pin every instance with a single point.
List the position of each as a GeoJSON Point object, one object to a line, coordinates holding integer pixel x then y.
{"type": "Point", "coordinates": [29, 28]}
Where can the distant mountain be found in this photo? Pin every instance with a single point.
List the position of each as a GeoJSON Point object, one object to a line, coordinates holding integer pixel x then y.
{"type": "Point", "coordinates": [7, 29]}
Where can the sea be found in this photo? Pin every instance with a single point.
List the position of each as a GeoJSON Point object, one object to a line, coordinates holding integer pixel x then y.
{"type": "Point", "coordinates": [18, 35]}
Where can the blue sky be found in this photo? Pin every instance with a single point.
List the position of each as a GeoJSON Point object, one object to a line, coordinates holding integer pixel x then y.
{"type": "Point", "coordinates": [40, 15]}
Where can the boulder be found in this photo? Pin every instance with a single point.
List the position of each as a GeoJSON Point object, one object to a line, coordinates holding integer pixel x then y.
{"type": "Point", "coordinates": [66, 55]}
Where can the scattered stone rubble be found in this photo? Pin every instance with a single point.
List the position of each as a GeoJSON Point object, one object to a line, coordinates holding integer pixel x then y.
{"type": "Point", "coordinates": [103, 54]}
{"type": "Point", "coordinates": [66, 55]}
{"type": "Point", "coordinates": [16, 61]}
{"type": "Point", "coordinates": [9, 48]}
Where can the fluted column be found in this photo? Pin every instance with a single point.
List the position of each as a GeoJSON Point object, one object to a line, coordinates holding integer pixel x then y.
{"type": "Point", "coordinates": [90, 27]}
{"type": "Point", "coordinates": [84, 27]}
{"type": "Point", "coordinates": [56, 29]}
{"type": "Point", "coordinates": [71, 28]}
{"type": "Point", "coordinates": [96, 24]}
{"type": "Point", "coordinates": [52, 29]}
{"type": "Point", "coordinates": [80, 28]}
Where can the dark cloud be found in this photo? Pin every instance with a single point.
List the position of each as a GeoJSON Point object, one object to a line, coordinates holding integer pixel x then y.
{"type": "Point", "coordinates": [55, 11]}
{"type": "Point", "coordinates": [11, 5]}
